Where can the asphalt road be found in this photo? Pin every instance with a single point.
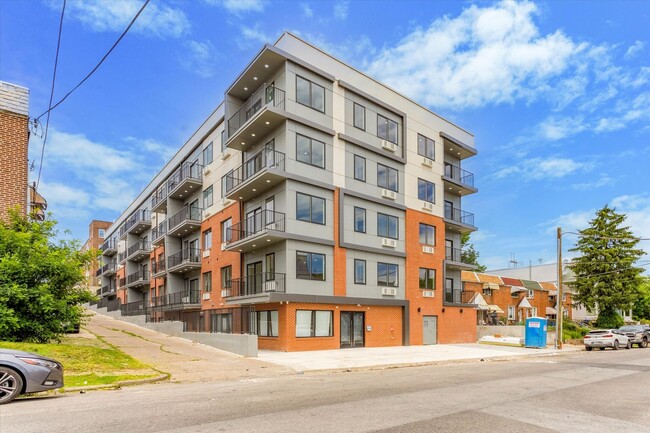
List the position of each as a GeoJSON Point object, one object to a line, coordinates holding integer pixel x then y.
{"type": "Point", "coordinates": [581, 392]}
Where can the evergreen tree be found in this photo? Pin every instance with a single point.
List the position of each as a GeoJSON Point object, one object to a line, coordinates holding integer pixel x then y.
{"type": "Point", "coordinates": [469, 254]}
{"type": "Point", "coordinates": [606, 279]}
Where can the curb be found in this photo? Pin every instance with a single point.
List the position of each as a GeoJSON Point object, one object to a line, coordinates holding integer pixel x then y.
{"type": "Point", "coordinates": [116, 384]}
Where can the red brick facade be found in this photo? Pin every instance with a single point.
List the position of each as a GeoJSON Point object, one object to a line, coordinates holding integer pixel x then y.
{"type": "Point", "coordinates": [14, 137]}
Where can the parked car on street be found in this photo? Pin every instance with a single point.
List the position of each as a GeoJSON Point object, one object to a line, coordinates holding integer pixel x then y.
{"type": "Point", "coordinates": [602, 338]}
{"type": "Point", "coordinates": [24, 372]}
{"type": "Point", "coordinates": [637, 334]}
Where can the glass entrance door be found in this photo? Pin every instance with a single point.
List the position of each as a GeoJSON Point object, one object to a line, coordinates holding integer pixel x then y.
{"type": "Point", "coordinates": [352, 329]}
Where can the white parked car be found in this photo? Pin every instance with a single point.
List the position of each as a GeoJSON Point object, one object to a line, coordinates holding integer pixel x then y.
{"type": "Point", "coordinates": [602, 338]}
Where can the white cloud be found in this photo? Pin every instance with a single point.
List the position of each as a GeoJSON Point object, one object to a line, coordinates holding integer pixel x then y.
{"type": "Point", "coordinates": [238, 7]}
{"type": "Point", "coordinates": [152, 146]}
{"type": "Point", "coordinates": [200, 58]}
{"type": "Point", "coordinates": [634, 50]}
{"type": "Point", "coordinates": [603, 180]}
{"type": "Point", "coordinates": [572, 221]}
{"type": "Point", "coordinates": [114, 15]}
{"type": "Point", "coordinates": [341, 9]}
{"type": "Point", "coordinates": [63, 194]}
{"type": "Point", "coordinates": [557, 128]}
{"type": "Point", "coordinates": [307, 11]}
{"type": "Point", "coordinates": [544, 168]}
{"type": "Point", "coordinates": [252, 36]}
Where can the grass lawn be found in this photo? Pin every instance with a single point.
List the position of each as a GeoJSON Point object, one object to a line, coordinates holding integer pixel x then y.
{"type": "Point", "coordinates": [88, 360]}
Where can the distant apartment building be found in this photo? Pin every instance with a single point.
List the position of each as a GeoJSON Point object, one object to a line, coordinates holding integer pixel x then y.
{"type": "Point", "coordinates": [14, 141]}
{"type": "Point", "coordinates": [315, 207]}
{"type": "Point", "coordinates": [96, 235]}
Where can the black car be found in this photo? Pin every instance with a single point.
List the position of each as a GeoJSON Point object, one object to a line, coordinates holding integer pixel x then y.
{"type": "Point", "coordinates": [638, 334]}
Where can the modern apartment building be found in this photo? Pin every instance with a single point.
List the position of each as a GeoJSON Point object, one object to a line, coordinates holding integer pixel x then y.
{"type": "Point", "coordinates": [14, 142]}
{"type": "Point", "coordinates": [96, 235]}
{"type": "Point", "coordinates": [315, 207]}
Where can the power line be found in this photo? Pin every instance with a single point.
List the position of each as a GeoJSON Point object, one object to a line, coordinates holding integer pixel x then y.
{"type": "Point", "coordinates": [100, 62]}
{"type": "Point", "coordinates": [47, 122]}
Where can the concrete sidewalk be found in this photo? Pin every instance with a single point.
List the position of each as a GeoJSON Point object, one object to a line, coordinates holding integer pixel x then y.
{"type": "Point", "coordinates": [367, 357]}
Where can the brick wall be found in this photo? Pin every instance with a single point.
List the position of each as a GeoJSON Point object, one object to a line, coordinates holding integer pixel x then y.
{"type": "Point", "coordinates": [14, 137]}
{"type": "Point", "coordinates": [340, 266]}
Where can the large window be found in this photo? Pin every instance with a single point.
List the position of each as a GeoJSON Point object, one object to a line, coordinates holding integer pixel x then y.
{"type": "Point", "coordinates": [387, 226]}
{"type": "Point", "coordinates": [207, 155]}
{"type": "Point", "coordinates": [359, 271]}
{"type": "Point", "coordinates": [387, 274]}
{"type": "Point", "coordinates": [226, 234]}
{"type": "Point", "coordinates": [101, 233]}
{"type": "Point", "coordinates": [360, 168]}
{"type": "Point", "coordinates": [310, 94]}
{"type": "Point", "coordinates": [426, 191]}
{"type": "Point", "coordinates": [427, 234]}
{"type": "Point", "coordinates": [426, 147]}
{"type": "Point", "coordinates": [222, 323]}
{"type": "Point", "coordinates": [359, 116]}
{"type": "Point", "coordinates": [386, 129]}
{"type": "Point", "coordinates": [310, 266]}
{"type": "Point", "coordinates": [311, 323]}
{"type": "Point", "coordinates": [207, 197]}
{"type": "Point", "coordinates": [270, 267]}
{"type": "Point", "coordinates": [310, 151]}
{"type": "Point", "coordinates": [310, 209]}
{"type": "Point", "coordinates": [387, 178]}
{"type": "Point", "coordinates": [207, 281]}
{"type": "Point", "coordinates": [427, 279]}
{"type": "Point", "coordinates": [359, 219]}
{"type": "Point", "coordinates": [207, 239]}
{"type": "Point", "coordinates": [226, 277]}
{"type": "Point", "coordinates": [267, 323]}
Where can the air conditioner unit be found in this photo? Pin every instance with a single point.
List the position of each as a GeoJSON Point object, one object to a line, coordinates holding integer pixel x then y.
{"type": "Point", "coordinates": [387, 193]}
{"type": "Point", "coordinates": [226, 154]}
{"type": "Point", "coordinates": [389, 291]}
{"type": "Point", "coordinates": [385, 242]}
{"type": "Point", "coordinates": [185, 299]}
{"type": "Point", "coordinates": [427, 249]}
{"type": "Point", "coordinates": [225, 293]}
{"type": "Point", "coordinates": [271, 286]}
{"type": "Point", "coordinates": [223, 246]}
{"type": "Point", "coordinates": [427, 205]}
{"type": "Point", "coordinates": [387, 145]}
{"type": "Point", "coordinates": [207, 170]}
{"type": "Point", "coordinates": [427, 162]}
{"type": "Point", "coordinates": [206, 253]}
{"type": "Point", "coordinates": [206, 296]}
{"type": "Point", "coordinates": [428, 294]}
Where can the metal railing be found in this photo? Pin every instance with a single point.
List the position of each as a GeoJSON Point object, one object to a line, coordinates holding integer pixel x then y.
{"type": "Point", "coordinates": [108, 244]}
{"type": "Point", "coordinates": [458, 174]}
{"type": "Point", "coordinates": [159, 195]}
{"type": "Point", "coordinates": [265, 158]}
{"type": "Point", "coordinates": [185, 297]}
{"type": "Point", "coordinates": [140, 245]}
{"type": "Point", "coordinates": [188, 213]}
{"type": "Point", "coordinates": [265, 220]}
{"type": "Point", "coordinates": [139, 216]}
{"type": "Point", "coordinates": [187, 255]}
{"type": "Point", "coordinates": [159, 231]}
{"type": "Point", "coordinates": [140, 275]}
{"type": "Point", "coordinates": [454, 254]}
{"type": "Point", "coordinates": [458, 296]}
{"type": "Point", "coordinates": [460, 216]}
{"type": "Point", "coordinates": [185, 171]}
{"type": "Point", "coordinates": [158, 267]}
{"type": "Point", "coordinates": [110, 288]}
{"type": "Point", "coordinates": [121, 257]}
{"type": "Point", "coordinates": [122, 282]}
{"type": "Point", "coordinates": [266, 282]}
{"type": "Point", "coordinates": [136, 308]}
{"type": "Point", "coordinates": [112, 266]}
{"type": "Point", "coordinates": [264, 96]}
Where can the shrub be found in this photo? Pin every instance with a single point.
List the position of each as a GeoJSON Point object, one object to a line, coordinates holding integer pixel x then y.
{"type": "Point", "coordinates": [609, 319]}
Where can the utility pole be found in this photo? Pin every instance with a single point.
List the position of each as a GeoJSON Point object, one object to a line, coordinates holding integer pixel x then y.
{"type": "Point", "coordinates": [558, 309]}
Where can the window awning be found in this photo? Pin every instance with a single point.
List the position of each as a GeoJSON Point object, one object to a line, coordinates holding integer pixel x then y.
{"type": "Point", "coordinates": [479, 301]}
{"type": "Point", "coordinates": [550, 311]}
{"type": "Point", "coordinates": [552, 293]}
{"type": "Point", "coordinates": [495, 308]}
{"type": "Point", "coordinates": [515, 289]}
{"type": "Point", "coordinates": [493, 286]}
{"type": "Point", "coordinates": [525, 304]}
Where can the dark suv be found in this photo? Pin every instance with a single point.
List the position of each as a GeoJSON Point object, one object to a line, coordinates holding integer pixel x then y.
{"type": "Point", "coordinates": [638, 334]}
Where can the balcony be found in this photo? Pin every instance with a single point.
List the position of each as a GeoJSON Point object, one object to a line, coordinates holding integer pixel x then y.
{"type": "Point", "coordinates": [159, 199]}
{"type": "Point", "coordinates": [186, 180]}
{"type": "Point", "coordinates": [138, 222]}
{"type": "Point", "coordinates": [107, 290]}
{"type": "Point", "coordinates": [121, 282]}
{"type": "Point", "coordinates": [457, 148]}
{"type": "Point", "coordinates": [256, 284]}
{"type": "Point", "coordinates": [459, 297]}
{"type": "Point", "coordinates": [108, 269]}
{"type": "Point", "coordinates": [458, 181]}
{"type": "Point", "coordinates": [264, 228]}
{"type": "Point", "coordinates": [260, 114]}
{"type": "Point", "coordinates": [185, 221]}
{"type": "Point", "coordinates": [123, 231]}
{"type": "Point", "coordinates": [138, 279]}
{"type": "Point", "coordinates": [459, 220]}
{"type": "Point", "coordinates": [158, 269]}
{"type": "Point", "coordinates": [454, 259]}
{"type": "Point", "coordinates": [158, 234]}
{"type": "Point", "coordinates": [184, 260]}
{"type": "Point", "coordinates": [121, 257]}
{"type": "Point", "coordinates": [184, 300]}
{"type": "Point", "coordinates": [138, 251]}
{"type": "Point", "coordinates": [258, 173]}
{"type": "Point", "coordinates": [136, 308]}
{"type": "Point", "coordinates": [109, 247]}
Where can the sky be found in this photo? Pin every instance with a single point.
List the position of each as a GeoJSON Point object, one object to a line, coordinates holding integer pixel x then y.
{"type": "Point", "coordinates": [557, 94]}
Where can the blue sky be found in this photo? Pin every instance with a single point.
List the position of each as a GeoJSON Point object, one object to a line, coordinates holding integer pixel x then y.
{"type": "Point", "coordinates": [556, 93]}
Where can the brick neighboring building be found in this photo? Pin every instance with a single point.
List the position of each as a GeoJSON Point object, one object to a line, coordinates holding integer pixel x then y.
{"type": "Point", "coordinates": [14, 143]}
{"type": "Point", "coordinates": [315, 207]}
{"type": "Point", "coordinates": [96, 233]}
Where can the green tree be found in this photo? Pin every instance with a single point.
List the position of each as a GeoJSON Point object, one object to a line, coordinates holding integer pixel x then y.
{"type": "Point", "coordinates": [469, 254]}
{"type": "Point", "coordinates": [42, 282]}
{"type": "Point", "coordinates": [642, 305]}
{"type": "Point", "coordinates": [606, 279]}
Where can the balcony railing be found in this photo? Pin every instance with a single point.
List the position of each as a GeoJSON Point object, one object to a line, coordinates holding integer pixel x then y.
{"type": "Point", "coordinates": [142, 216]}
{"type": "Point", "coordinates": [159, 196]}
{"type": "Point", "coordinates": [107, 268]}
{"type": "Point", "coordinates": [186, 256]}
{"type": "Point", "coordinates": [109, 247]}
{"type": "Point", "coordinates": [265, 158]}
{"type": "Point", "coordinates": [264, 96]}
{"type": "Point", "coordinates": [459, 175]}
{"type": "Point", "coordinates": [454, 254]}
{"type": "Point", "coordinates": [256, 284]}
{"type": "Point", "coordinates": [159, 232]}
{"type": "Point", "coordinates": [458, 296]}
{"type": "Point", "coordinates": [158, 267]}
{"type": "Point", "coordinates": [138, 276]}
{"type": "Point", "coordinates": [187, 171]}
{"type": "Point", "coordinates": [136, 308]}
{"type": "Point", "coordinates": [139, 246]}
{"type": "Point", "coordinates": [188, 213]}
{"type": "Point", "coordinates": [190, 297]}
{"type": "Point", "coordinates": [107, 289]}
{"type": "Point", "coordinates": [460, 216]}
{"type": "Point", "coordinates": [122, 282]}
{"type": "Point", "coordinates": [265, 220]}
{"type": "Point", "coordinates": [121, 257]}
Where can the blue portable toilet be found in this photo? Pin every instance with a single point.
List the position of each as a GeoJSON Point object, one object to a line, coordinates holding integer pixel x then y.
{"type": "Point", "coordinates": [536, 329]}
